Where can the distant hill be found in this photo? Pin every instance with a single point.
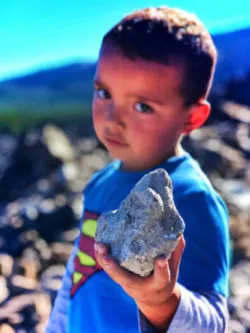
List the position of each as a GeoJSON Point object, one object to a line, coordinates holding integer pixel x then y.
{"type": "Point", "coordinates": [59, 87]}
{"type": "Point", "coordinates": [68, 89]}
{"type": "Point", "coordinates": [233, 55]}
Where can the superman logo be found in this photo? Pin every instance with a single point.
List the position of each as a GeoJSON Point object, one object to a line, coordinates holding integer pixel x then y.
{"type": "Point", "coordinates": [85, 263]}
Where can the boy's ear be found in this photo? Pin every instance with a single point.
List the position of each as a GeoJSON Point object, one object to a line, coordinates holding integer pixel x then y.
{"type": "Point", "coordinates": [198, 114]}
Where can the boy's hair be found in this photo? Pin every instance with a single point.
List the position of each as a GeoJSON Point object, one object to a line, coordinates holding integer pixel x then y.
{"type": "Point", "coordinates": [169, 36]}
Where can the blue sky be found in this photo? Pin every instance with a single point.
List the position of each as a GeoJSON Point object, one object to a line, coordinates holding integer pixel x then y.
{"type": "Point", "coordinates": [35, 33]}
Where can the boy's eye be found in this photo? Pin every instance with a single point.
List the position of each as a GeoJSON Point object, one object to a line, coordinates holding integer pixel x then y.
{"type": "Point", "coordinates": [144, 108]}
{"type": "Point", "coordinates": [102, 94]}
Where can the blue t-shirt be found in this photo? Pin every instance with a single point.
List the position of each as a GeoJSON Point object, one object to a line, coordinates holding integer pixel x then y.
{"type": "Point", "coordinates": [100, 305]}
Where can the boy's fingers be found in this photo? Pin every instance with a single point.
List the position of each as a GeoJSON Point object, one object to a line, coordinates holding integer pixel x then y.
{"type": "Point", "coordinates": [175, 259]}
{"type": "Point", "coordinates": [101, 251]}
{"type": "Point", "coordinates": [162, 273]}
{"type": "Point", "coordinates": [167, 268]}
{"type": "Point", "coordinates": [101, 248]}
{"type": "Point", "coordinates": [118, 274]}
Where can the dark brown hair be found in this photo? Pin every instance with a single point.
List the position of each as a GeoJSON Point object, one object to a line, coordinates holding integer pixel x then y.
{"type": "Point", "coordinates": [169, 36]}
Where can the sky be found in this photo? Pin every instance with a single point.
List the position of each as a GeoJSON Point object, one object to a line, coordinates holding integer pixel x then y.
{"type": "Point", "coordinates": [36, 34]}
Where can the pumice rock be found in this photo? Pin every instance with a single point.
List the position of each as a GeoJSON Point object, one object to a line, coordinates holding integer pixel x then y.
{"type": "Point", "coordinates": [145, 226]}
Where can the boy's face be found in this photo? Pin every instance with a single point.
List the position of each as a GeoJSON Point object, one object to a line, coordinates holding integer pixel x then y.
{"type": "Point", "coordinates": [138, 111]}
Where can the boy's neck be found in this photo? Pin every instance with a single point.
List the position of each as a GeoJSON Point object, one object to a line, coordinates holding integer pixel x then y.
{"type": "Point", "coordinates": [178, 151]}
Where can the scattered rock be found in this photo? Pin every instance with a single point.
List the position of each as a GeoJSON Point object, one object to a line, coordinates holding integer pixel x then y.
{"type": "Point", "coordinates": [4, 294]}
{"type": "Point", "coordinates": [22, 285]}
{"type": "Point", "coordinates": [41, 202]}
{"type": "Point", "coordinates": [5, 328]}
{"type": "Point", "coordinates": [31, 267]}
{"type": "Point", "coordinates": [236, 327]}
{"type": "Point", "coordinates": [61, 252]}
{"type": "Point", "coordinates": [58, 143]}
{"type": "Point", "coordinates": [6, 265]}
{"type": "Point", "coordinates": [25, 167]}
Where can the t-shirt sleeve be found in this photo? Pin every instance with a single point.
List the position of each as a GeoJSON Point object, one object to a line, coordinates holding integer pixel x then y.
{"type": "Point", "coordinates": [59, 315]}
{"type": "Point", "coordinates": [205, 262]}
{"type": "Point", "coordinates": [200, 313]}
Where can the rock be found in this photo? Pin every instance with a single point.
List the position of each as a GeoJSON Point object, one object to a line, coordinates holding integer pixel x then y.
{"type": "Point", "coordinates": [52, 220]}
{"type": "Point", "coordinates": [236, 327]}
{"type": "Point", "coordinates": [31, 267]}
{"type": "Point", "coordinates": [43, 306]}
{"type": "Point", "coordinates": [51, 287]}
{"type": "Point", "coordinates": [70, 171]}
{"type": "Point", "coordinates": [51, 280]}
{"type": "Point", "coordinates": [6, 265]}
{"type": "Point", "coordinates": [25, 168]}
{"type": "Point", "coordinates": [16, 305]}
{"type": "Point", "coordinates": [5, 328]}
{"type": "Point", "coordinates": [58, 143]}
{"type": "Point", "coordinates": [41, 327]}
{"type": "Point", "coordinates": [146, 224]}
{"type": "Point", "coordinates": [22, 285]}
{"type": "Point", "coordinates": [244, 317]}
{"type": "Point", "coordinates": [55, 271]}
{"type": "Point", "coordinates": [31, 253]}
{"type": "Point", "coordinates": [61, 252]}
{"type": "Point", "coordinates": [87, 145]}
{"type": "Point", "coordinates": [43, 249]}
{"type": "Point", "coordinates": [16, 320]}
{"type": "Point", "coordinates": [28, 238]}
{"type": "Point", "coordinates": [94, 162]}
{"type": "Point", "coordinates": [69, 236]}
{"type": "Point", "coordinates": [4, 294]}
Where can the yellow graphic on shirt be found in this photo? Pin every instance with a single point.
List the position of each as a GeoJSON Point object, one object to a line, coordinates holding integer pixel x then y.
{"type": "Point", "coordinates": [85, 259]}
{"type": "Point", "coordinates": [85, 263]}
{"type": "Point", "coordinates": [89, 228]}
{"type": "Point", "coordinates": [77, 277]}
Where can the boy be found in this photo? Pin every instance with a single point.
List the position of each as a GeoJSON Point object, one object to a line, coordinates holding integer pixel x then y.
{"type": "Point", "coordinates": [153, 75]}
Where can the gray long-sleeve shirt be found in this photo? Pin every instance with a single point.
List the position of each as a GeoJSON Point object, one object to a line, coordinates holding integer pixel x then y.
{"type": "Point", "coordinates": [196, 313]}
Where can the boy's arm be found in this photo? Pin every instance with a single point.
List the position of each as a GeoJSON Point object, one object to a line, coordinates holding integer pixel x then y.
{"type": "Point", "coordinates": [160, 316]}
{"type": "Point", "coordinates": [204, 266]}
{"type": "Point", "coordinates": [206, 312]}
{"type": "Point", "coordinates": [59, 315]}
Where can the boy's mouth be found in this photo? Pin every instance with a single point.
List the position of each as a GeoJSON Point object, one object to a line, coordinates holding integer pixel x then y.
{"type": "Point", "coordinates": [115, 141]}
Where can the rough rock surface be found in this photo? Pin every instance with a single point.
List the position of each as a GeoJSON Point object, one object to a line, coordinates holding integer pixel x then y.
{"type": "Point", "coordinates": [145, 225]}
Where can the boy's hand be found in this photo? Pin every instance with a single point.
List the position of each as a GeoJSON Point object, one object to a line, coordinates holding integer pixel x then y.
{"type": "Point", "coordinates": [153, 294]}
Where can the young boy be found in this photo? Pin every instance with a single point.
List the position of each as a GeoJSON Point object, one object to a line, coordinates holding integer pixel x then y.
{"type": "Point", "coordinates": [152, 79]}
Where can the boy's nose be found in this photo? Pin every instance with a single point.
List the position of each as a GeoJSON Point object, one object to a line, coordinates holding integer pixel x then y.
{"type": "Point", "coordinates": [114, 115]}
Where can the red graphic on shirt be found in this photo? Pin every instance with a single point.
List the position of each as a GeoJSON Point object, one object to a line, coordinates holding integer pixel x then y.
{"type": "Point", "coordinates": [85, 263]}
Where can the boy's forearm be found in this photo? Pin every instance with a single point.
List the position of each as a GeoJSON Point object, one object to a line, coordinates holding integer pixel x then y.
{"type": "Point", "coordinates": [160, 316]}
{"type": "Point", "coordinates": [206, 313]}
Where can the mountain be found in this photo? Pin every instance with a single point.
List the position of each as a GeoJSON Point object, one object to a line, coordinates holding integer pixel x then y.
{"type": "Point", "coordinates": [68, 86]}
{"type": "Point", "coordinates": [233, 55]}
{"type": "Point", "coordinates": [67, 90]}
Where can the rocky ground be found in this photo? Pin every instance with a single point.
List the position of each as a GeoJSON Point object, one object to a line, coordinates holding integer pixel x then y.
{"type": "Point", "coordinates": [42, 174]}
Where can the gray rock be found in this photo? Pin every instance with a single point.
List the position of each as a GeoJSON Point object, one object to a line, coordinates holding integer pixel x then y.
{"type": "Point", "coordinates": [145, 226]}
